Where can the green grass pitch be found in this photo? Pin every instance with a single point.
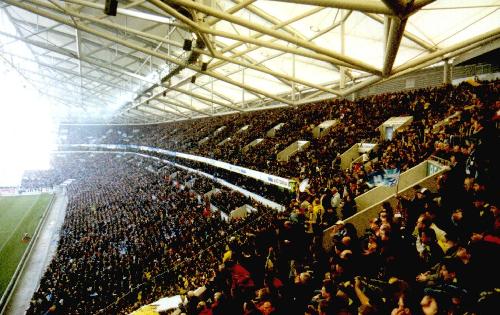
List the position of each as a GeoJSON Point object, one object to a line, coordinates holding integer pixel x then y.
{"type": "Point", "coordinates": [18, 215]}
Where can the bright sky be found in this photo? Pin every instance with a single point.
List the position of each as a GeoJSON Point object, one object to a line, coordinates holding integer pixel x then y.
{"type": "Point", "coordinates": [27, 131]}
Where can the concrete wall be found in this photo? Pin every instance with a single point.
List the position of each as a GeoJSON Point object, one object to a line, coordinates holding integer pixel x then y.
{"type": "Point", "coordinates": [252, 144]}
{"type": "Point", "coordinates": [361, 218]}
{"type": "Point", "coordinates": [349, 155]}
{"type": "Point", "coordinates": [426, 78]}
{"type": "Point", "coordinates": [272, 132]}
{"type": "Point", "coordinates": [406, 179]}
{"type": "Point", "coordinates": [292, 149]}
{"type": "Point", "coordinates": [324, 128]}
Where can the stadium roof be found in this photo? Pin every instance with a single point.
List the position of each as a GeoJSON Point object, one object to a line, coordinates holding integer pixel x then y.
{"type": "Point", "coordinates": [132, 67]}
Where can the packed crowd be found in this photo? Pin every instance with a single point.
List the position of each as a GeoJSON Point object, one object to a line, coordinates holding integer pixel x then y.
{"type": "Point", "coordinates": [38, 180]}
{"type": "Point", "coordinates": [227, 200]}
{"type": "Point", "coordinates": [425, 256]}
{"type": "Point", "coordinates": [134, 234]}
{"type": "Point", "coordinates": [320, 163]}
{"type": "Point", "coordinates": [422, 257]}
{"type": "Point", "coordinates": [434, 253]}
{"type": "Point", "coordinates": [131, 237]}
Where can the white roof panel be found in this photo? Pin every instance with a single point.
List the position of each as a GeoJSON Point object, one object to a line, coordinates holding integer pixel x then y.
{"type": "Point", "coordinates": [122, 57]}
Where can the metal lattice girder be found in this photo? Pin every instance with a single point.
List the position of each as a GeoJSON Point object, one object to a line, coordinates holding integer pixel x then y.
{"type": "Point", "coordinates": [97, 58]}
{"type": "Point", "coordinates": [370, 6]}
{"type": "Point", "coordinates": [216, 55]}
{"type": "Point", "coordinates": [146, 51]}
{"type": "Point", "coordinates": [336, 57]}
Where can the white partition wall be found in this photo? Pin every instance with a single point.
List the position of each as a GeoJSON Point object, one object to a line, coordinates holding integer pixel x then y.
{"type": "Point", "coordinates": [324, 128]}
{"type": "Point", "coordinates": [393, 125]}
{"type": "Point", "coordinates": [292, 149]}
{"type": "Point", "coordinates": [252, 144]}
{"type": "Point", "coordinates": [272, 132]}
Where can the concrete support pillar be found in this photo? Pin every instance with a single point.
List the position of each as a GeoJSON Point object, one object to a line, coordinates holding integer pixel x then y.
{"type": "Point", "coordinates": [446, 72]}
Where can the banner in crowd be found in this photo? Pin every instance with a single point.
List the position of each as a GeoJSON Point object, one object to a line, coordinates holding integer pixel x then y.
{"type": "Point", "coordinates": [267, 178]}
{"type": "Point", "coordinates": [384, 177]}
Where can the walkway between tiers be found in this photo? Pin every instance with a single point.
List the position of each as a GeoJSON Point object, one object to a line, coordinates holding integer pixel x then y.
{"type": "Point", "coordinates": [41, 255]}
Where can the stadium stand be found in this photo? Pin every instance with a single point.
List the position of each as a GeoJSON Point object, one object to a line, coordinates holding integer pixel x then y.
{"type": "Point", "coordinates": [320, 161]}
{"type": "Point", "coordinates": [132, 236]}
{"type": "Point", "coordinates": [245, 157]}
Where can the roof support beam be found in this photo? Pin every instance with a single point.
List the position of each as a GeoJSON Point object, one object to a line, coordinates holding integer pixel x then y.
{"type": "Point", "coordinates": [181, 104]}
{"type": "Point", "coordinates": [477, 52]}
{"type": "Point", "coordinates": [174, 104]}
{"type": "Point", "coordinates": [177, 102]}
{"type": "Point", "coordinates": [28, 35]}
{"type": "Point", "coordinates": [414, 38]}
{"type": "Point", "coordinates": [52, 48]}
{"type": "Point", "coordinates": [431, 59]}
{"type": "Point", "coordinates": [67, 83]}
{"type": "Point", "coordinates": [363, 6]}
{"type": "Point", "coordinates": [418, 4]}
{"type": "Point", "coordinates": [78, 50]}
{"type": "Point", "coordinates": [114, 68]}
{"type": "Point", "coordinates": [320, 33]}
{"type": "Point", "coordinates": [217, 55]}
{"type": "Point", "coordinates": [143, 113]}
{"type": "Point", "coordinates": [126, 11]}
{"type": "Point", "coordinates": [342, 51]}
{"type": "Point", "coordinates": [151, 110]}
{"type": "Point", "coordinates": [234, 61]}
{"type": "Point", "coordinates": [70, 101]}
{"type": "Point", "coordinates": [145, 50]}
{"type": "Point", "coordinates": [275, 74]}
{"type": "Point", "coordinates": [271, 19]}
{"type": "Point", "coordinates": [163, 107]}
{"type": "Point", "coordinates": [472, 42]}
{"type": "Point", "coordinates": [134, 115]}
{"type": "Point", "coordinates": [69, 36]}
{"type": "Point", "coordinates": [219, 95]}
{"type": "Point", "coordinates": [277, 25]}
{"type": "Point", "coordinates": [87, 18]}
{"type": "Point", "coordinates": [394, 40]}
{"type": "Point", "coordinates": [397, 6]}
{"type": "Point", "coordinates": [201, 98]}
{"type": "Point", "coordinates": [70, 72]}
{"type": "Point", "coordinates": [366, 83]}
{"type": "Point", "coordinates": [348, 61]}
{"type": "Point", "coordinates": [66, 80]}
{"type": "Point", "coordinates": [256, 36]}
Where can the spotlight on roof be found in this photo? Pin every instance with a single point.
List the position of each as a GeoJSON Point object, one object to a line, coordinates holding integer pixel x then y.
{"type": "Point", "coordinates": [187, 44]}
{"type": "Point", "coordinates": [110, 7]}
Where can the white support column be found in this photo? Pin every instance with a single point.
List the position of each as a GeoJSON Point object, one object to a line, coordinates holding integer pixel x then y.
{"type": "Point", "coordinates": [393, 41]}
{"type": "Point", "coordinates": [342, 49]}
{"type": "Point", "coordinates": [243, 90]}
{"type": "Point", "coordinates": [387, 27]}
{"type": "Point", "coordinates": [446, 72]}
{"type": "Point", "coordinates": [293, 82]}
{"type": "Point", "coordinates": [212, 95]}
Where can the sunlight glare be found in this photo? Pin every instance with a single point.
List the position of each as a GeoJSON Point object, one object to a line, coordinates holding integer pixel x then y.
{"type": "Point", "coordinates": [27, 131]}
